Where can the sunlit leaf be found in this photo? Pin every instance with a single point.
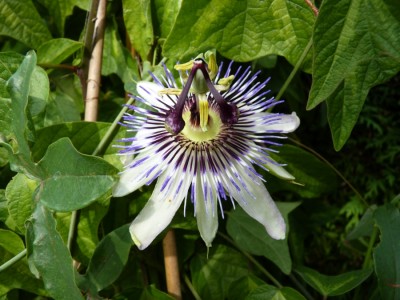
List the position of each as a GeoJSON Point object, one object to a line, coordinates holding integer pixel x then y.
{"type": "Point", "coordinates": [166, 11]}
{"type": "Point", "coordinates": [21, 21]}
{"type": "Point", "coordinates": [241, 30]}
{"type": "Point", "coordinates": [387, 265]}
{"type": "Point", "coordinates": [9, 64]}
{"type": "Point", "coordinates": [50, 256]}
{"type": "Point", "coordinates": [60, 10]}
{"type": "Point", "coordinates": [333, 285]}
{"type": "Point", "coordinates": [138, 22]}
{"type": "Point", "coordinates": [56, 51]}
{"type": "Point", "coordinates": [251, 236]}
{"type": "Point", "coordinates": [85, 136]}
{"type": "Point", "coordinates": [116, 58]}
{"type": "Point", "coordinates": [356, 46]}
{"type": "Point", "coordinates": [18, 87]}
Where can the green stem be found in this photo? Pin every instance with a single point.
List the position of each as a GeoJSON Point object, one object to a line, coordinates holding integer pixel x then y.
{"type": "Point", "coordinates": [191, 288]}
{"type": "Point", "coordinates": [254, 261]}
{"type": "Point", "coordinates": [107, 137]}
{"type": "Point", "coordinates": [301, 287]}
{"type": "Point", "coordinates": [295, 69]}
{"type": "Point", "coordinates": [71, 231]}
{"type": "Point", "coordinates": [13, 260]}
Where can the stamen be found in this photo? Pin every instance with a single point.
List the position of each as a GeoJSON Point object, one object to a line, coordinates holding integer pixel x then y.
{"type": "Point", "coordinates": [203, 109]}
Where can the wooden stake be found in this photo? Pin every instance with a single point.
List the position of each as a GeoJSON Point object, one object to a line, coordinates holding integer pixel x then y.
{"type": "Point", "coordinates": [171, 266]}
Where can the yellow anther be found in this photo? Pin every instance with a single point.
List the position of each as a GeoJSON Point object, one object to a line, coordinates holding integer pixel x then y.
{"type": "Point", "coordinates": [184, 67]}
{"type": "Point", "coordinates": [170, 91]}
{"type": "Point", "coordinates": [203, 111]}
{"type": "Point", "coordinates": [226, 81]}
{"type": "Point", "coordinates": [212, 64]}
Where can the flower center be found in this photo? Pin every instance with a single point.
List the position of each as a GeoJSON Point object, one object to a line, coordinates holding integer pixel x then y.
{"type": "Point", "coordinates": [193, 129]}
{"type": "Point", "coordinates": [199, 84]}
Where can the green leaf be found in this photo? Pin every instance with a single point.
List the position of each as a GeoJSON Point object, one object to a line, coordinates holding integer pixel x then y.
{"type": "Point", "coordinates": [116, 58]}
{"type": "Point", "coordinates": [251, 236]}
{"type": "Point", "coordinates": [39, 89]}
{"type": "Point", "coordinates": [20, 20]}
{"type": "Point", "coordinates": [365, 226]}
{"type": "Point", "coordinates": [60, 10]}
{"type": "Point", "coordinates": [387, 265]}
{"type": "Point", "coordinates": [56, 51]}
{"type": "Point", "coordinates": [212, 276]}
{"type": "Point", "coordinates": [333, 285]}
{"type": "Point", "coordinates": [85, 136]}
{"type": "Point", "coordinates": [18, 275]}
{"type": "Point", "coordinates": [109, 258]}
{"type": "Point", "coordinates": [151, 292]}
{"type": "Point", "coordinates": [9, 64]}
{"type": "Point", "coordinates": [18, 87]}
{"type": "Point", "coordinates": [266, 291]}
{"type": "Point", "coordinates": [65, 103]}
{"type": "Point", "coordinates": [88, 227]}
{"type": "Point", "coordinates": [138, 23]}
{"type": "Point", "coordinates": [3, 206]}
{"type": "Point", "coordinates": [314, 176]}
{"type": "Point", "coordinates": [356, 47]}
{"type": "Point", "coordinates": [73, 180]}
{"type": "Point", "coordinates": [166, 12]}
{"type": "Point", "coordinates": [19, 194]}
{"type": "Point", "coordinates": [240, 288]}
{"type": "Point", "coordinates": [48, 253]}
{"type": "Point", "coordinates": [241, 30]}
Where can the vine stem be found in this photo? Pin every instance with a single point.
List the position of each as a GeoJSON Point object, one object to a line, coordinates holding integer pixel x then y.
{"type": "Point", "coordinates": [295, 69]}
{"type": "Point", "coordinates": [191, 288]}
{"type": "Point", "coordinates": [13, 260]}
{"type": "Point", "coordinates": [94, 38]}
{"type": "Point", "coordinates": [171, 265]}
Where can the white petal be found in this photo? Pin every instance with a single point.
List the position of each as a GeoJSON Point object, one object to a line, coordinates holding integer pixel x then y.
{"type": "Point", "coordinates": [285, 124]}
{"type": "Point", "coordinates": [278, 170]}
{"type": "Point", "coordinates": [158, 212]}
{"type": "Point", "coordinates": [150, 91]}
{"type": "Point", "coordinates": [206, 213]}
{"type": "Point", "coordinates": [132, 178]}
{"type": "Point", "coordinates": [259, 205]}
